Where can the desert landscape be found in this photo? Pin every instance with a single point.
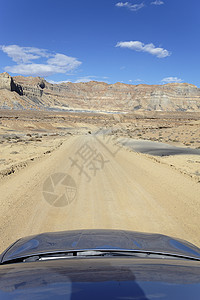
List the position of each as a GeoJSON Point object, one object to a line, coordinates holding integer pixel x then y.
{"type": "Point", "coordinates": [94, 155]}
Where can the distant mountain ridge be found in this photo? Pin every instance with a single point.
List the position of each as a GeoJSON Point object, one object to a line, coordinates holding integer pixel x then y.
{"type": "Point", "coordinates": [36, 93]}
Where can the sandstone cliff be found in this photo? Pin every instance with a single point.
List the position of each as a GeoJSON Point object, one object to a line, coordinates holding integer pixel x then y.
{"type": "Point", "coordinates": [37, 93]}
{"type": "Point", "coordinates": [6, 82]}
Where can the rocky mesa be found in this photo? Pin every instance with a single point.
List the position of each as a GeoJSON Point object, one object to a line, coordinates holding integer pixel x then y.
{"type": "Point", "coordinates": [37, 94]}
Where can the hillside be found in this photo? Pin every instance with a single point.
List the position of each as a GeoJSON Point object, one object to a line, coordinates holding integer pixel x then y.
{"type": "Point", "coordinates": [36, 93]}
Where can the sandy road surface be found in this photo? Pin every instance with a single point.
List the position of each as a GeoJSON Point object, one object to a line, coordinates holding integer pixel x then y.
{"type": "Point", "coordinates": [129, 191]}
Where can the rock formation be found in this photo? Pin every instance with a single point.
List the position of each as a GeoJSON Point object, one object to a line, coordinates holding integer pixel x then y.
{"type": "Point", "coordinates": [37, 93]}
{"type": "Point", "coordinates": [6, 82]}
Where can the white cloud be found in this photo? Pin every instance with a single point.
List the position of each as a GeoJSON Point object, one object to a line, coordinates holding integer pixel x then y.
{"type": "Point", "coordinates": [141, 47]}
{"type": "Point", "coordinates": [81, 79]}
{"type": "Point", "coordinates": [157, 2]}
{"type": "Point", "coordinates": [138, 80]}
{"type": "Point", "coordinates": [63, 61]}
{"type": "Point", "coordinates": [91, 78]}
{"type": "Point", "coordinates": [24, 56]}
{"type": "Point", "coordinates": [58, 82]}
{"type": "Point", "coordinates": [84, 79]}
{"type": "Point", "coordinates": [171, 80]}
{"type": "Point", "coordinates": [133, 7]}
{"type": "Point", "coordinates": [32, 69]}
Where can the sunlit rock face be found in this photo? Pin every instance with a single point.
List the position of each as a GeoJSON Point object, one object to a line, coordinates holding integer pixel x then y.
{"type": "Point", "coordinates": [40, 94]}
{"type": "Point", "coordinates": [6, 82]}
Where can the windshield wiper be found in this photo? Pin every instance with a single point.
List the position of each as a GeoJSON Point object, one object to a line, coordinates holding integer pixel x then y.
{"type": "Point", "coordinates": [87, 253]}
{"type": "Point", "coordinates": [106, 253]}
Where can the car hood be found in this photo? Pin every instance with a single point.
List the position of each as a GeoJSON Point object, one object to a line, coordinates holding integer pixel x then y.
{"type": "Point", "coordinates": [97, 239]}
{"type": "Point", "coordinates": [101, 278]}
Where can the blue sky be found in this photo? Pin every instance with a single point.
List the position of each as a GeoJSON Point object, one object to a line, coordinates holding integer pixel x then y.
{"type": "Point", "coordinates": [149, 41]}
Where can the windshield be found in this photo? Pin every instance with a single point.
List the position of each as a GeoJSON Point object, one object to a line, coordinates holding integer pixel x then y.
{"type": "Point", "coordinates": [99, 118]}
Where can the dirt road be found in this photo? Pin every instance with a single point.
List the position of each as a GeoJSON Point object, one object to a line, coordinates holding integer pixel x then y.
{"type": "Point", "coordinates": [114, 188]}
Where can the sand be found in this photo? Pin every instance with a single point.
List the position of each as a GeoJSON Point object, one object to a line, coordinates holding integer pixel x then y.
{"type": "Point", "coordinates": [110, 187]}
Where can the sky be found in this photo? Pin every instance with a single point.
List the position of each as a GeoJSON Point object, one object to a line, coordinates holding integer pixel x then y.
{"type": "Point", "coordinates": [134, 42]}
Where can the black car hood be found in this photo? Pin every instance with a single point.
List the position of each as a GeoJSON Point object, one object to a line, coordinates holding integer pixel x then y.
{"type": "Point", "coordinates": [100, 278]}
{"type": "Point", "coordinates": [97, 239]}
